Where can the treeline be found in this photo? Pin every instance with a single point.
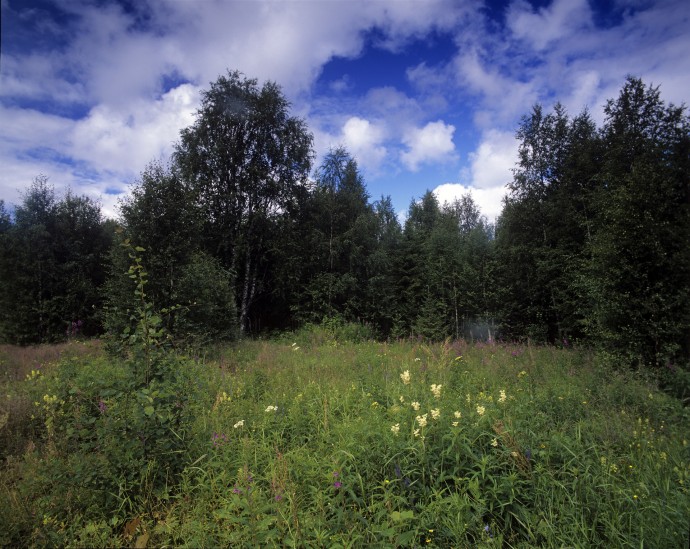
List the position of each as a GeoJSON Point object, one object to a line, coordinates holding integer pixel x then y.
{"type": "Point", "coordinates": [240, 234]}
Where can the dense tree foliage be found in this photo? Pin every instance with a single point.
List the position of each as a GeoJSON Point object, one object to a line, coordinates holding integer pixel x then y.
{"type": "Point", "coordinates": [246, 160]}
{"type": "Point", "coordinates": [161, 219]}
{"type": "Point", "coordinates": [52, 266]}
{"type": "Point", "coordinates": [237, 234]}
{"type": "Point", "coordinates": [594, 239]}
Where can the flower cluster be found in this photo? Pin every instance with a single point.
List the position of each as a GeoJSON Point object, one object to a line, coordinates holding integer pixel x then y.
{"type": "Point", "coordinates": [405, 377]}
{"type": "Point", "coordinates": [436, 390]}
{"type": "Point", "coordinates": [271, 409]}
{"type": "Point", "coordinates": [218, 439]}
{"type": "Point", "coordinates": [239, 424]}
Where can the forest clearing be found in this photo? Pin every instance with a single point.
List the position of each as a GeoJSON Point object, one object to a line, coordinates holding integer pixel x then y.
{"type": "Point", "coordinates": [321, 439]}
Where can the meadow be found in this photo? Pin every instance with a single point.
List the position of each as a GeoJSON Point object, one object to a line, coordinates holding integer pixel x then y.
{"type": "Point", "coordinates": [321, 438]}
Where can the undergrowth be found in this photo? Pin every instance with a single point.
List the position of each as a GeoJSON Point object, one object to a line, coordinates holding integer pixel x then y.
{"type": "Point", "coordinates": [313, 441]}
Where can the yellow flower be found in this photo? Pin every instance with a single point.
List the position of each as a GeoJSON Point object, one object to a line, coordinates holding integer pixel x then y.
{"type": "Point", "coordinates": [481, 410]}
{"type": "Point", "coordinates": [239, 424]}
{"type": "Point", "coordinates": [435, 414]}
{"type": "Point", "coordinates": [405, 376]}
{"type": "Point", "coordinates": [415, 406]}
{"type": "Point", "coordinates": [395, 428]}
{"type": "Point", "coordinates": [494, 443]}
{"type": "Point", "coordinates": [421, 420]}
{"type": "Point", "coordinates": [503, 397]}
{"type": "Point", "coordinates": [436, 390]}
{"type": "Point", "coordinates": [456, 423]}
{"type": "Point", "coordinates": [457, 415]}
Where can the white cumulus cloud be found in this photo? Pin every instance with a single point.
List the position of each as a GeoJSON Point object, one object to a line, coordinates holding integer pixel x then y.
{"type": "Point", "coordinates": [432, 143]}
{"type": "Point", "coordinates": [364, 141]}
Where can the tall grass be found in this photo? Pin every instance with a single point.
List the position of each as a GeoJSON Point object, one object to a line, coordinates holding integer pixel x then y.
{"type": "Point", "coordinates": [314, 441]}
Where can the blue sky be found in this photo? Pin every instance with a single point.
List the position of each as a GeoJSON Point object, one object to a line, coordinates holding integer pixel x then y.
{"type": "Point", "coordinates": [425, 94]}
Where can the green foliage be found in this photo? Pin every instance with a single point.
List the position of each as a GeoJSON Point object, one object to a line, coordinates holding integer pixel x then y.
{"type": "Point", "coordinates": [593, 242]}
{"type": "Point", "coordinates": [246, 160]}
{"type": "Point", "coordinates": [313, 441]}
{"type": "Point", "coordinates": [51, 267]}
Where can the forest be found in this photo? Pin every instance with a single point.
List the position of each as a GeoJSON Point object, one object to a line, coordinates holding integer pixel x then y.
{"type": "Point", "coordinates": [256, 354]}
{"type": "Point", "coordinates": [240, 234]}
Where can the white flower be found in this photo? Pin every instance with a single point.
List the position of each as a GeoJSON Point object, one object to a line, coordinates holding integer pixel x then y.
{"type": "Point", "coordinates": [421, 420]}
{"type": "Point", "coordinates": [481, 410]}
{"type": "Point", "coordinates": [395, 428]}
{"type": "Point", "coordinates": [415, 405]}
{"type": "Point", "coordinates": [271, 409]}
{"type": "Point", "coordinates": [402, 399]}
{"type": "Point", "coordinates": [405, 376]}
{"type": "Point", "coordinates": [503, 396]}
{"type": "Point", "coordinates": [239, 424]}
{"type": "Point", "coordinates": [435, 414]}
{"type": "Point", "coordinates": [455, 423]}
{"type": "Point", "coordinates": [436, 389]}
{"type": "Point", "coordinates": [494, 443]}
{"type": "Point", "coordinates": [457, 415]}
{"type": "Point", "coordinates": [416, 432]}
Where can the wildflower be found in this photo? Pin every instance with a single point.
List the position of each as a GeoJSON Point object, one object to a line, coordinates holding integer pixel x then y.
{"type": "Point", "coordinates": [295, 347]}
{"type": "Point", "coordinates": [101, 406]}
{"type": "Point", "coordinates": [494, 443]}
{"type": "Point", "coordinates": [239, 424]}
{"type": "Point", "coordinates": [503, 396]}
{"type": "Point", "coordinates": [416, 433]}
{"type": "Point", "coordinates": [436, 390]}
{"type": "Point", "coordinates": [458, 357]}
{"type": "Point", "coordinates": [415, 406]}
{"type": "Point", "coordinates": [435, 414]}
{"type": "Point", "coordinates": [337, 484]}
{"type": "Point", "coordinates": [663, 456]}
{"type": "Point", "coordinates": [522, 373]}
{"type": "Point", "coordinates": [481, 410]}
{"type": "Point", "coordinates": [271, 409]}
{"type": "Point", "coordinates": [405, 376]}
{"type": "Point", "coordinates": [395, 428]}
{"type": "Point", "coordinates": [417, 359]}
{"type": "Point", "coordinates": [457, 414]}
{"type": "Point", "coordinates": [421, 420]}
{"type": "Point", "coordinates": [402, 399]}
{"type": "Point", "coordinates": [456, 423]}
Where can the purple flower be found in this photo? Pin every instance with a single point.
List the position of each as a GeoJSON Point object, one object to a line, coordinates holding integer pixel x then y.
{"type": "Point", "coordinates": [101, 406]}
{"type": "Point", "coordinates": [337, 485]}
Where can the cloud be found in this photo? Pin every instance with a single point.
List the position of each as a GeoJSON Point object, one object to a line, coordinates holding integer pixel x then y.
{"type": "Point", "coordinates": [561, 19]}
{"type": "Point", "coordinates": [126, 140]}
{"type": "Point", "coordinates": [488, 173]}
{"type": "Point", "coordinates": [364, 141]}
{"type": "Point", "coordinates": [432, 143]}
{"type": "Point", "coordinates": [491, 163]}
{"type": "Point", "coordinates": [489, 201]}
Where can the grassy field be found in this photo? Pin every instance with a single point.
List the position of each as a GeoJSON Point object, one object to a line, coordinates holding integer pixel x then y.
{"type": "Point", "coordinates": [312, 440]}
